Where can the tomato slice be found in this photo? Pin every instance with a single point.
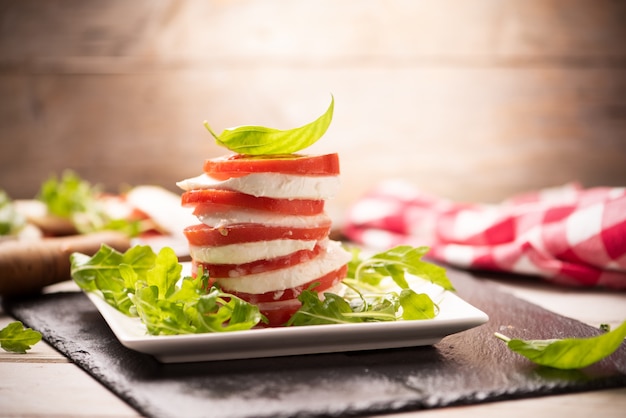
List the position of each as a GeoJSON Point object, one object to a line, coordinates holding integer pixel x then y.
{"type": "Point", "coordinates": [324, 283]}
{"type": "Point", "coordinates": [217, 271]}
{"type": "Point", "coordinates": [204, 235]}
{"type": "Point", "coordinates": [278, 313]}
{"type": "Point", "coordinates": [238, 165]}
{"type": "Point", "coordinates": [214, 200]}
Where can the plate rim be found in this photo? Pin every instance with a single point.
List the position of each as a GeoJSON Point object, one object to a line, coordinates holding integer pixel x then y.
{"type": "Point", "coordinates": [290, 340]}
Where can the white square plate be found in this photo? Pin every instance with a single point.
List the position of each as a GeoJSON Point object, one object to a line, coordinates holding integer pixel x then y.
{"type": "Point", "coordinates": [455, 315]}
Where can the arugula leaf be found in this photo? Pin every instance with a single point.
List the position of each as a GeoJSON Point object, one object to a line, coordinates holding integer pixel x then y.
{"type": "Point", "coordinates": [396, 263]}
{"type": "Point", "coordinates": [142, 283]}
{"type": "Point", "coordinates": [333, 309]}
{"type": "Point", "coordinates": [417, 305]}
{"type": "Point", "coordinates": [113, 273]}
{"type": "Point", "coordinates": [166, 309]}
{"type": "Point", "coordinates": [11, 222]}
{"type": "Point", "coordinates": [68, 195]}
{"type": "Point", "coordinates": [220, 312]}
{"type": "Point", "coordinates": [165, 273]}
{"type": "Point", "coordinates": [16, 338]}
{"type": "Point", "coordinates": [369, 296]}
{"type": "Point", "coordinates": [568, 353]}
{"type": "Point", "coordinates": [259, 140]}
{"type": "Point", "coordinates": [73, 198]}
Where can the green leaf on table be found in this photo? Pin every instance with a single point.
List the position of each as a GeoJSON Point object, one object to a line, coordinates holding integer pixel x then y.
{"type": "Point", "coordinates": [568, 353]}
{"type": "Point", "coordinates": [259, 140]}
{"type": "Point", "coordinates": [16, 338]}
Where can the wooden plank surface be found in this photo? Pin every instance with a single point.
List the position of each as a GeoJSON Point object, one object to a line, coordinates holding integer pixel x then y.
{"type": "Point", "coordinates": [43, 383]}
{"type": "Point", "coordinates": [473, 101]}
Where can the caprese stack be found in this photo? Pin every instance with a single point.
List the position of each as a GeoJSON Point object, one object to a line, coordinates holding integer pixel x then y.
{"type": "Point", "coordinates": [263, 233]}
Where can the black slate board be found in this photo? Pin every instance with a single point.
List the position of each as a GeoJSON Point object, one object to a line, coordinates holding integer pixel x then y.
{"type": "Point", "coordinates": [465, 368]}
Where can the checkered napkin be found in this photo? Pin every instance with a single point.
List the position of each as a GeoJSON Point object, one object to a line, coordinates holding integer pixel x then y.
{"type": "Point", "coordinates": [567, 235]}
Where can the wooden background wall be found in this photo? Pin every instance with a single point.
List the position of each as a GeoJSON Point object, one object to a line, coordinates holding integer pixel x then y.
{"type": "Point", "coordinates": [473, 100]}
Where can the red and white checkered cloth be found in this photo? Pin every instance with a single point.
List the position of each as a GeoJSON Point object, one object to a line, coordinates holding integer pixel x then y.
{"type": "Point", "coordinates": [568, 235]}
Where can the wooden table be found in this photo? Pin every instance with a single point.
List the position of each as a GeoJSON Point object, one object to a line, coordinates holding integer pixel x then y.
{"type": "Point", "coordinates": [43, 383]}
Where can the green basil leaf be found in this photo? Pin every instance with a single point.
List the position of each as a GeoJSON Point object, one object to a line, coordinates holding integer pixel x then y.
{"type": "Point", "coordinates": [568, 353]}
{"type": "Point", "coordinates": [259, 140]}
{"type": "Point", "coordinates": [15, 338]}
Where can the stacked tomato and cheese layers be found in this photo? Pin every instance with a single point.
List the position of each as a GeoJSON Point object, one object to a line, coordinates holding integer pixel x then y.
{"type": "Point", "coordinates": [263, 231]}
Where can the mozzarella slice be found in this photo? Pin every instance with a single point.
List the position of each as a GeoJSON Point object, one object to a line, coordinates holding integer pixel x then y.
{"type": "Point", "coordinates": [274, 185]}
{"type": "Point", "coordinates": [163, 207]}
{"type": "Point", "coordinates": [275, 281]}
{"type": "Point", "coordinates": [248, 251]}
{"type": "Point", "coordinates": [337, 289]}
{"type": "Point", "coordinates": [243, 216]}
